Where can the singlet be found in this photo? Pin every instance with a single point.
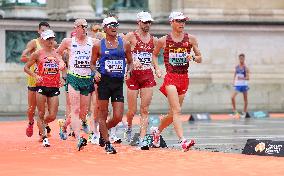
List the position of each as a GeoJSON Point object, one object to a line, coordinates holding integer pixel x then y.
{"type": "Point", "coordinates": [80, 57]}
{"type": "Point", "coordinates": [143, 52]}
{"type": "Point", "coordinates": [112, 61]}
{"type": "Point", "coordinates": [175, 55]}
{"type": "Point", "coordinates": [31, 81]}
{"type": "Point", "coordinates": [240, 73]}
{"type": "Point", "coordinates": [48, 69]}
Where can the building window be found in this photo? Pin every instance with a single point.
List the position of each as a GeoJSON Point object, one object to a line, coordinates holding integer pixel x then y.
{"type": "Point", "coordinates": [16, 42]}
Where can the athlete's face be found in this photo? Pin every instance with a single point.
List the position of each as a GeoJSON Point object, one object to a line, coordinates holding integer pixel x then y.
{"type": "Point", "coordinates": [49, 42]}
{"type": "Point", "coordinates": [178, 25]}
{"type": "Point", "coordinates": [145, 26]}
{"type": "Point", "coordinates": [111, 29]}
{"type": "Point", "coordinates": [81, 29]}
{"type": "Point", "coordinates": [42, 28]}
{"type": "Point", "coordinates": [242, 59]}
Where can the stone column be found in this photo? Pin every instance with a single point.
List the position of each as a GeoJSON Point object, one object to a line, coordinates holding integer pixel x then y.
{"type": "Point", "coordinates": [160, 8]}
{"type": "Point", "coordinates": [80, 9]}
{"type": "Point", "coordinates": [57, 9]}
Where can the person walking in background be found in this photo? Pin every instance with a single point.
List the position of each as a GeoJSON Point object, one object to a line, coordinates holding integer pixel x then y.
{"type": "Point", "coordinates": [240, 81]}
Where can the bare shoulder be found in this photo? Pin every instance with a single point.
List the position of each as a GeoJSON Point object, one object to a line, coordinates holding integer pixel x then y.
{"type": "Point", "coordinates": [95, 40]}
{"type": "Point", "coordinates": [192, 38]}
{"type": "Point", "coordinates": [129, 35]}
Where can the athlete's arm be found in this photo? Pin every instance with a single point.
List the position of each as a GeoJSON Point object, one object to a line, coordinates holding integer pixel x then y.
{"type": "Point", "coordinates": [30, 62]}
{"type": "Point", "coordinates": [63, 46]}
{"type": "Point", "coordinates": [129, 59]}
{"type": "Point", "coordinates": [196, 50]}
{"type": "Point", "coordinates": [235, 73]}
{"type": "Point", "coordinates": [247, 73]}
{"type": "Point", "coordinates": [27, 52]}
{"type": "Point", "coordinates": [95, 57]}
{"type": "Point", "coordinates": [160, 43]}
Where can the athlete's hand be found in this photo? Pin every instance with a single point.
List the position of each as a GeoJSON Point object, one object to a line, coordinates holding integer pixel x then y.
{"type": "Point", "coordinates": [98, 76]}
{"type": "Point", "coordinates": [158, 73]}
{"type": "Point", "coordinates": [38, 78]}
{"type": "Point", "coordinates": [62, 82]}
{"type": "Point", "coordinates": [136, 63]}
{"type": "Point", "coordinates": [189, 57]}
{"type": "Point", "coordinates": [61, 66]}
{"type": "Point", "coordinates": [127, 76]}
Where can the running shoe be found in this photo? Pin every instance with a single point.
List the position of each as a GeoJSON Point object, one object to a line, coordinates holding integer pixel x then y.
{"type": "Point", "coordinates": [143, 145]}
{"type": "Point", "coordinates": [101, 141]}
{"type": "Point", "coordinates": [30, 129]}
{"type": "Point", "coordinates": [81, 143]}
{"type": "Point", "coordinates": [156, 136]}
{"type": "Point", "coordinates": [72, 134]}
{"type": "Point", "coordinates": [62, 129]}
{"type": "Point", "coordinates": [48, 131]}
{"type": "Point", "coordinates": [45, 142]}
{"type": "Point", "coordinates": [127, 135]}
{"type": "Point", "coordinates": [95, 139]}
{"type": "Point", "coordinates": [186, 145]}
{"type": "Point", "coordinates": [109, 148]}
{"type": "Point", "coordinates": [85, 127]}
{"type": "Point", "coordinates": [115, 140]}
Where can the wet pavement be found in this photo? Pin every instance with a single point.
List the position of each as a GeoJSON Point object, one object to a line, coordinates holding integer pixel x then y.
{"type": "Point", "coordinates": [227, 136]}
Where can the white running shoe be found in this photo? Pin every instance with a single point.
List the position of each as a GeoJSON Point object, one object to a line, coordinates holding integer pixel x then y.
{"type": "Point", "coordinates": [45, 142]}
{"type": "Point", "coordinates": [95, 139]}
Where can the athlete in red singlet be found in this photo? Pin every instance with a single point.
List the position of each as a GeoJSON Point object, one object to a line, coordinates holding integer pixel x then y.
{"type": "Point", "coordinates": [140, 79]}
{"type": "Point", "coordinates": [47, 80]}
{"type": "Point", "coordinates": [177, 48]}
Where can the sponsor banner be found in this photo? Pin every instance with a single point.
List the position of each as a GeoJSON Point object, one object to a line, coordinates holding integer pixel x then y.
{"type": "Point", "coordinates": [264, 147]}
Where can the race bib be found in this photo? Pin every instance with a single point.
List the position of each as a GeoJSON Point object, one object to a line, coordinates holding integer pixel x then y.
{"type": "Point", "coordinates": [50, 67]}
{"type": "Point", "coordinates": [178, 59]}
{"type": "Point", "coordinates": [82, 59]}
{"type": "Point", "coordinates": [144, 58]}
{"type": "Point", "coordinates": [114, 66]}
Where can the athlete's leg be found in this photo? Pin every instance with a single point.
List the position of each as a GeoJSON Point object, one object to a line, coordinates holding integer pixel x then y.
{"type": "Point", "coordinates": [118, 108]}
{"type": "Point", "coordinates": [233, 98]}
{"type": "Point", "coordinates": [41, 100]}
{"type": "Point", "coordinates": [53, 103]}
{"type": "Point", "coordinates": [31, 105]}
{"type": "Point", "coordinates": [168, 119]}
{"type": "Point", "coordinates": [173, 99]}
{"type": "Point", "coordinates": [102, 117]}
{"type": "Point", "coordinates": [245, 94]}
{"type": "Point", "coordinates": [146, 97]}
{"type": "Point", "coordinates": [74, 97]}
{"type": "Point", "coordinates": [132, 106]}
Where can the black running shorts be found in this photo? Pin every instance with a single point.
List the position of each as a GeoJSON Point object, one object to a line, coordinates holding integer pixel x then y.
{"type": "Point", "coordinates": [48, 91]}
{"type": "Point", "coordinates": [109, 87]}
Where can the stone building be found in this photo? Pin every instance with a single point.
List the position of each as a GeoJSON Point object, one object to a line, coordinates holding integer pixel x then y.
{"type": "Point", "coordinates": [223, 28]}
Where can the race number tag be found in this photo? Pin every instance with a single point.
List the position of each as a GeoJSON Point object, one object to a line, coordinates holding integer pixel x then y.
{"type": "Point", "coordinates": [114, 66]}
{"type": "Point", "coordinates": [144, 58]}
{"type": "Point", "coordinates": [178, 59]}
{"type": "Point", "coordinates": [50, 67]}
{"type": "Point", "coordinates": [82, 59]}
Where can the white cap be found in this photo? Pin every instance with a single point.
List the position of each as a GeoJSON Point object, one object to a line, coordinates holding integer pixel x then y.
{"type": "Point", "coordinates": [47, 34]}
{"type": "Point", "coordinates": [109, 20]}
{"type": "Point", "coordinates": [144, 16]}
{"type": "Point", "coordinates": [80, 22]}
{"type": "Point", "coordinates": [177, 16]}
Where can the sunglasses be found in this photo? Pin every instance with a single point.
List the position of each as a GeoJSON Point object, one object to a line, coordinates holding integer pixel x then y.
{"type": "Point", "coordinates": [180, 21]}
{"type": "Point", "coordinates": [146, 22]}
{"type": "Point", "coordinates": [84, 26]}
{"type": "Point", "coordinates": [112, 25]}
